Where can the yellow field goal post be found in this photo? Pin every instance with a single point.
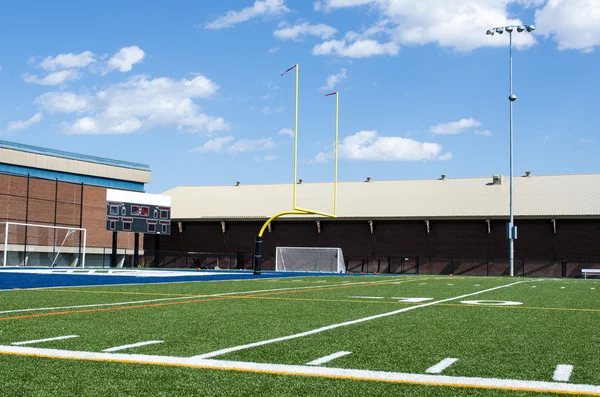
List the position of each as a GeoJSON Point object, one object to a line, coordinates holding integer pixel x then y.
{"type": "Point", "coordinates": [257, 265]}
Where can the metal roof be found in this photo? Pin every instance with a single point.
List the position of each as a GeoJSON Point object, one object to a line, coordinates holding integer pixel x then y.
{"type": "Point", "coordinates": [574, 195]}
{"type": "Point", "coordinates": [72, 156]}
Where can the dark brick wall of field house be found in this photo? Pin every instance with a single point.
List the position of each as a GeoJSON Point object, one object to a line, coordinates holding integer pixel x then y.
{"type": "Point", "coordinates": [50, 202]}
{"type": "Point", "coordinates": [450, 246]}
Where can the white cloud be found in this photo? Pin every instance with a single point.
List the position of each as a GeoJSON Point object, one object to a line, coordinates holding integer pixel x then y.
{"type": "Point", "coordinates": [455, 127]}
{"type": "Point", "coordinates": [68, 61]}
{"type": "Point", "coordinates": [483, 132]}
{"type": "Point", "coordinates": [368, 145]}
{"type": "Point", "coordinates": [446, 156]}
{"type": "Point", "coordinates": [333, 80]}
{"type": "Point", "coordinates": [358, 49]}
{"type": "Point", "coordinates": [268, 157]}
{"type": "Point", "coordinates": [125, 58]}
{"type": "Point", "coordinates": [574, 24]}
{"type": "Point", "coordinates": [457, 24]}
{"type": "Point", "coordinates": [227, 144]}
{"type": "Point", "coordinates": [66, 67]}
{"type": "Point", "coordinates": [54, 78]}
{"type": "Point", "coordinates": [269, 110]}
{"type": "Point", "coordinates": [286, 131]}
{"type": "Point", "coordinates": [136, 104]}
{"type": "Point", "coordinates": [331, 4]}
{"type": "Point", "coordinates": [296, 32]}
{"type": "Point", "coordinates": [15, 126]}
{"type": "Point", "coordinates": [259, 8]}
{"type": "Point", "coordinates": [273, 50]}
{"type": "Point", "coordinates": [62, 102]}
{"type": "Point", "coordinates": [586, 141]}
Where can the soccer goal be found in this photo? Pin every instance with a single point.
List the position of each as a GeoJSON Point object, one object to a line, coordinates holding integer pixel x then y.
{"type": "Point", "coordinates": [309, 259]}
{"type": "Point", "coordinates": [26, 244]}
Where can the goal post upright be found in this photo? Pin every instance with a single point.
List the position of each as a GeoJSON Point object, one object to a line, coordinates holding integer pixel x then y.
{"type": "Point", "coordinates": [257, 265]}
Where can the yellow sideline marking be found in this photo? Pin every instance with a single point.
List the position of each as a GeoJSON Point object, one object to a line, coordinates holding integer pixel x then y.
{"type": "Point", "coordinates": [309, 375]}
{"type": "Point", "coordinates": [208, 299]}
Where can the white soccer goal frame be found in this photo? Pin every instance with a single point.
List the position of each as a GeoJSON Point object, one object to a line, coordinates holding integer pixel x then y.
{"type": "Point", "coordinates": [341, 265]}
{"type": "Point", "coordinates": [69, 229]}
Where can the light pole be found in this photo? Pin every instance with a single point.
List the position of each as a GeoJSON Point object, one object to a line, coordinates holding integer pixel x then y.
{"type": "Point", "coordinates": [511, 229]}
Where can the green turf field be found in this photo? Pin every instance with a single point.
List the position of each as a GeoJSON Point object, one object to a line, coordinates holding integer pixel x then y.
{"type": "Point", "coordinates": [421, 335]}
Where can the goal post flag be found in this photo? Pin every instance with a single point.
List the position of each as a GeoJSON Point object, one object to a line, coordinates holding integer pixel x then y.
{"type": "Point", "coordinates": [310, 259]}
{"type": "Point", "coordinates": [27, 244]}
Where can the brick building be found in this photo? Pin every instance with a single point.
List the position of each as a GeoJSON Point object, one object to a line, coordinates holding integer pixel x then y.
{"type": "Point", "coordinates": [45, 187]}
{"type": "Point", "coordinates": [432, 226]}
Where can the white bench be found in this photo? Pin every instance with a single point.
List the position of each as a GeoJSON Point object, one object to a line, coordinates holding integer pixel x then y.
{"type": "Point", "coordinates": [585, 272]}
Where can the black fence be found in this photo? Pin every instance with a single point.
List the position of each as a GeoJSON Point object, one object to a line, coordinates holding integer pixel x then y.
{"type": "Point", "coordinates": [364, 265]}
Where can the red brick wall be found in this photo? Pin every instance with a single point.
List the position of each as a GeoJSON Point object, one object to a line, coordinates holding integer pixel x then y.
{"type": "Point", "coordinates": [48, 199]}
{"type": "Point", "coordinates": [467, 242]}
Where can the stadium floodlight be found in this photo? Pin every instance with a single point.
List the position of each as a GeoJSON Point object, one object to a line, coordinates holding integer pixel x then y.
{"type": "Point", "coordinates": [511, 229]}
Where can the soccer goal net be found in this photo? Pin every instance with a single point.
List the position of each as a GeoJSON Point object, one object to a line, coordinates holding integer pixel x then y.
{"type": "Point", "coordinates": [309, 259]}
{"type": "Point", "coordinates": [26, 244]}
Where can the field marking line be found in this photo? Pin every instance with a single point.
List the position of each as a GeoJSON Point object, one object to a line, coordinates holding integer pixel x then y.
{"type": "Point", "coordinates": [344, 324]}
{"type": "Point", "coordinates": [184, 282]}
{"type": "Point", "coordinates": [117, 348]}
{"type": "Point", "coordinates": [116, 292]}
{"type": "Point", "coordinates": [441, 366]}
{"type": "Point", "coordinates": [441, 304]}
{"type": "Point", "coordinates": [328, 358]}
{"type": "Point", "coordinates": [313, 371]}
{"type": "Point", "coordinates": [143, 303]}
{"type": "Point", "coordinates": [29, 342]}
{"type": "Point", "coordinates": [562, 373]}
{"type": "Point", "coordinates": [366, 297]}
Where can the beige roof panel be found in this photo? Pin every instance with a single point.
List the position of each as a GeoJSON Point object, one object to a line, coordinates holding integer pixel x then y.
{"type": "Point", "coordinates": [534, 196]}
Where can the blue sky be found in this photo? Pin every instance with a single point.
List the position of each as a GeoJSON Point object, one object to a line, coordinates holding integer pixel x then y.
{"type": "Point", "coordinates": [194, 88]}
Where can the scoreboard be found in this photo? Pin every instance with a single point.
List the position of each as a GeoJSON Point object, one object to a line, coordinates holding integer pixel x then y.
{"type": "Point", "coordinates": [138, 212]}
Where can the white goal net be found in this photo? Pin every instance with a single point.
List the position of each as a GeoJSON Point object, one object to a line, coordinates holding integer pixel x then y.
{"type": "Point", "coordinates": [309, 259]}
{"type": "Point", "coordinates": [26, 244]}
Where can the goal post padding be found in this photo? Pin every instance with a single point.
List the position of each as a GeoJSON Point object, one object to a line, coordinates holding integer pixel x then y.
{"type": "Point", "coordinates": [33, 245]}
{"type": "Point", "coordinates": [309, 259]}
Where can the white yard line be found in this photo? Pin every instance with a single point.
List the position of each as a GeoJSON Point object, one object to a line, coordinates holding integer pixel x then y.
{"type": "Point", "coordinates": [441, 366]}
{"type": "Point", "coordinates": [117, 348]}
{"type": "Point", "coordinates": [30, 342]}
{"type": "Point", "coordinates": [328, 358]}
{"type": "Point", "coordinates": [366, 297]}
{"type": "Point", "coordinates": [187, 297]}
{"type": "Point", "coordinates": [315, 371]}
{"type": "Point", "coordinates": [562, 373]}
{"type": "Point", "coordinates": [344, 324]}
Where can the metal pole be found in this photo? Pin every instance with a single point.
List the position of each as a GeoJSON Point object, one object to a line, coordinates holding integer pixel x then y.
{"type": "Point", "coordinates": [511, 221]}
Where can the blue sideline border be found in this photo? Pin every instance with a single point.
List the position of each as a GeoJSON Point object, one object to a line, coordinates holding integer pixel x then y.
{"type": "Point", "coordinates": [10, 279]}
